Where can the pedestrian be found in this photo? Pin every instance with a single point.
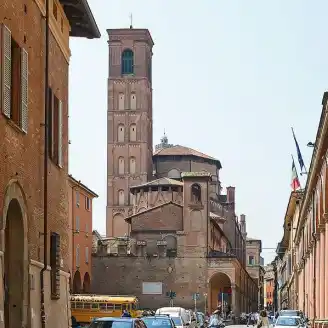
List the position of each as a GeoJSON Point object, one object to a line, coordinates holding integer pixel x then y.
{"type": "Point", "coordinates": [126, 314]}
{"type": "Point", "coordinates": [214, 320]}
{"type": "Point", "coordinates": [250, 320]}
{"type": "Point", "coordinates": [263, 321]}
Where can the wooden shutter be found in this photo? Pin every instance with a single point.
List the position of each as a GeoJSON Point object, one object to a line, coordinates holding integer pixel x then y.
{"type": "Point", "coordinates": [6, 45]}
{"type": "Point", "coordinates": [24, 91]}
{"type": "Point", "coordinates": [60, 134]}
{"type": "Point", "coordinates": [50, 123]}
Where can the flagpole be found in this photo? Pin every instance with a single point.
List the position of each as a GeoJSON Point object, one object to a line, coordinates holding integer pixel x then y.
{"type": "Point", "coordinates": [299, 155]}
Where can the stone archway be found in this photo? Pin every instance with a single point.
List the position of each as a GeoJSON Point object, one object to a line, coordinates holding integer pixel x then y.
{"type": "Point", "coordinates": [77, 282]}
{"type": "Point", "coordinates": [220, 291]}
{"type": "Point", "coordinates": [86, 283]}
{"type": "Point", "coordinates": [14, 243]}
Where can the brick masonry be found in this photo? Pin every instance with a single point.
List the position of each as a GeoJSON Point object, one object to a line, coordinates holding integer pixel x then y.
{"type": "Point", "coordinates": [22, 155]}
{"type": "Point", "coordinates": [124, 276]}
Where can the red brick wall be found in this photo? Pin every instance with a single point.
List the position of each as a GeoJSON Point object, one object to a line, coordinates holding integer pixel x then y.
{"type": "Point", "coordinates": [22, 155]}
{"type": "Point", "coordinates": [166, 217]}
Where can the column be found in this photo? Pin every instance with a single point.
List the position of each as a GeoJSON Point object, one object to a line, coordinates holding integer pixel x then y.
{"type": "Point", "coordinates": [326, 271]}
{"type": "Point", "coordinates": [233, 297]}
{"type": "Point", "coordinates": [322, 274]}
{"type": "Point", "coordinates": [317, 280]}
{"type": "Point", "coordinates": [310, 291]}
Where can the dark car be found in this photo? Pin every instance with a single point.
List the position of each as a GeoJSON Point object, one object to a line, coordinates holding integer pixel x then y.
{"type": "Point", "coordinates": [158, 321]}
{"type": "Point", "coordinates": [109, 322]}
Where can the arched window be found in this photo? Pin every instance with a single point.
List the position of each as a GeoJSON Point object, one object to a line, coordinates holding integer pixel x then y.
{"type": "Point", "coordinates": [133, 132]}
{"type": "Point", "coordinates": [121, 99]}
{"type": "Point", "coordinates": [171, 247]}
{"type": "Point", "coordinates": [133, 101]}
{"type": "Point", "coordinates": [127, 62]}
{"type": "Point", "coordinates": [174, 174]}
{"type": "Point", "coordinates": [132, 165]}
{"type": "Point", "coordinates": [120, 133]}
{"type": "Point", "coordinates": [121, 200]}
{"type": "Point", "coordinates": [121, 165]}
{"type": "Point", "coordinates": [196, 194]}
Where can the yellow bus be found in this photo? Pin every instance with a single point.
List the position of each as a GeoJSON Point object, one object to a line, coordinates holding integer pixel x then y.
{"type": "Point", "coordinates": [86, 307]}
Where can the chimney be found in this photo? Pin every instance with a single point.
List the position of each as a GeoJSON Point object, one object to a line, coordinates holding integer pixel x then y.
{"type": "Point", "coordinates": [243, 225]}
{"type": "Point", "coordinates": [230, 194]}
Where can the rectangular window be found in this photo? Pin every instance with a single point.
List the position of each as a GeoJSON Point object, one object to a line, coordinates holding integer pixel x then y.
{"type": "Point", "coordinates": [14, 88]}
{"type": "Point", "coordinates": [251, 260]}
{"type": "Point", "coordinates": [55, 137]}
{"type": "Point", "coordinates": [87, 255]}
{"type": "Point", "coordinates": [121, 101]}
{"type": "Point", "coordinates": [87, 203]}
{"type": "Point", "coordinates": [77, 256]}
{"type": "Point", "coordinates": [77, 223]}
{"type": "Point", "coordinates": [55, 265]}
{"type": "Point", "coordinates": [86, 228]}
{"type": "Point", "coordinates": [133, 101]}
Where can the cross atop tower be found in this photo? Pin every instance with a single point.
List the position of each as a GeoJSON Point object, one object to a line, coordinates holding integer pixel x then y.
{"type": "Point", "coordinates": [131, 20]}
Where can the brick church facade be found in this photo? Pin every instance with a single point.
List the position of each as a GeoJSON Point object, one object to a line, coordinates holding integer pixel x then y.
{"type": "Point", "coordinates": [169, 227]}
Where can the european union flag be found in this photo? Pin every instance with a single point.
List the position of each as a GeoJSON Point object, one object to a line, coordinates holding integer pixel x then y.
{"type": "Point", "coordinates": [299, 155]}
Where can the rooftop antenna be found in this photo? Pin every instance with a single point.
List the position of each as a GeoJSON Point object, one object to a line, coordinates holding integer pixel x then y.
{"type": "Point", "coordinates": [131, 18]}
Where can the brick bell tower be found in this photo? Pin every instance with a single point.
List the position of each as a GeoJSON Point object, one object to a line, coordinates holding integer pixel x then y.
{"type": "Point", "coordinates": [129, 122]}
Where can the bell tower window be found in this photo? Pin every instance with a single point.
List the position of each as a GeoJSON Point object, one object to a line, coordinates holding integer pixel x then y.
{"type": "Point", "coordinates": [127, 62]}
{"type": "Point", "coordinates": [196, 194]}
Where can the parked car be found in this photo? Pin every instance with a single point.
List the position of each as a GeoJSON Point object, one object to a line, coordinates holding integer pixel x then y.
{"type": "Point", "coordinates": [288, 322]}
{"type": "Point", "coordinates": [111, 322]}
{"type": "Point", "coordinates": [158, 321]}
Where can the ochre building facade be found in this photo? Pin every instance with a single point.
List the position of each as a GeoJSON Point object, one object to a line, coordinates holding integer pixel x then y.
{"type": "Point", "coordinates": [22, 188]}
{"type": "Point", "coordinates": [301, 263]}
{"type": "Point", "coordinates": [80, 202]}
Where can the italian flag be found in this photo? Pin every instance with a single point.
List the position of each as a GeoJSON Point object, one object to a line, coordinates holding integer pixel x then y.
{"type": "Point", "coordinates": [295, 184]}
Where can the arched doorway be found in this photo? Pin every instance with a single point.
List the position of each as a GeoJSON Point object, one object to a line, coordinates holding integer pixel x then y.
{"type": "Point", "coordinates": [14, 273]}
{"type": "Point", "coordinates": [220, 292]}
{"type": "Point", "coordinates": [86, 283]}
{"type": "Point", "coordinates": [77, 282]}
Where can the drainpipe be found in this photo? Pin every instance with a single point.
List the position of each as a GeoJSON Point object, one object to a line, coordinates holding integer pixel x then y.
{"type": "Point", "coordinates": [314, 280]}
{"type": "Point", "coordinates": [45, 179]}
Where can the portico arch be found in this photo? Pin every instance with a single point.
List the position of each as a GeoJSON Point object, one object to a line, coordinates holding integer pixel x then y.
{"type": "Point", "coordinates": [77, 282]}
{"type": "Point", "coordinates": [15, 264]}
{"type": "Point", "coordinates": [86, 283]}
{"type": "Point", "coordinates": [220, 291]}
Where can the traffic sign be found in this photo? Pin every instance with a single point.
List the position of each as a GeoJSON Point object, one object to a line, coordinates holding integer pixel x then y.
{"type": "Point", "coordinates": [171, 294]}
{"type": "Point", "coordinates": [196, 296]}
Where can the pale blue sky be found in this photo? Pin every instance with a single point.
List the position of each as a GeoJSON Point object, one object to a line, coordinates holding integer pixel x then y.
{"type": "Point", "coordinates": [238, 73]}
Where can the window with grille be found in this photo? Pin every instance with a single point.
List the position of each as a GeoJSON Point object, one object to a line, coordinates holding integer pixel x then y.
{"type": "Point", "coordinates": [55, 265]}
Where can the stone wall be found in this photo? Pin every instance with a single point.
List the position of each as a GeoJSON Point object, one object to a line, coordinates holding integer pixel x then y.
{"type": "Point", "coordinates": [124, 276]}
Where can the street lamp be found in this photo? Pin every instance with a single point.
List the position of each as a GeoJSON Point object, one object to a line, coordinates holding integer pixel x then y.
{"type": "Point", "coordinates": [205, 304]}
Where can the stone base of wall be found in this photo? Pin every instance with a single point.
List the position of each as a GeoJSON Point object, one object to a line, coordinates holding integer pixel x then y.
{"type": "Point", "coordinates": [58, 312]}
{"type": "Point", "coordinates": [320, 324]}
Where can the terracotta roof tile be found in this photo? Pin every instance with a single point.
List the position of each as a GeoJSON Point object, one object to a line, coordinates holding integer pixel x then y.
{"type": "Point", "coordinates": [159, 182]}
{"type": "Point", "coordinates": [181, 151]}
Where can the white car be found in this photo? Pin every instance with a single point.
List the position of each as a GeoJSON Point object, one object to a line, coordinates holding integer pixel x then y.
{"type": "Point", "coordinates": [289, 322]}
